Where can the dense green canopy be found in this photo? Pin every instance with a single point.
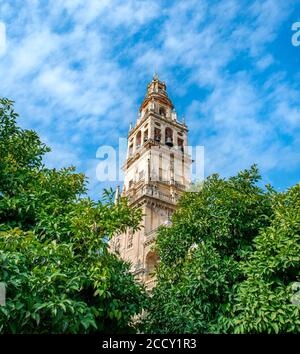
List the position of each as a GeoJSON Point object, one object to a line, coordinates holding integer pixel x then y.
{"type": "Point", "coordinates": [54, 259]}
{"type": "Point", "coordinates": [229, 261]}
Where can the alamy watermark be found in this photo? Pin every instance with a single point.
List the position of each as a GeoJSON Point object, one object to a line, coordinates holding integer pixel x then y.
{"type": "Point", "coordinates": [2, 294]}
{"type": "Point", "coordinates": [295, 299]}
{"type": "Point", "coordinates": [296, 35]}
{"type": "Point", "coordinates": [2, 38]}
{"type": "Point", "coordinates": [177, 161]}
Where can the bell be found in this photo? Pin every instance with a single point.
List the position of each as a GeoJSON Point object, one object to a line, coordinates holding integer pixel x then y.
{"type": "Point", "coordinates": [169, 141]}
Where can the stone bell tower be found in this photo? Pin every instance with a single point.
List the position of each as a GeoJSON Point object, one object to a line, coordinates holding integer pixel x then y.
{"type": "Point", "coordinates": [157, 171]}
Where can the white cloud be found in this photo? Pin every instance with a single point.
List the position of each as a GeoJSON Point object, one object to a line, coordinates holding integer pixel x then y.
{"type": "Point", "coordinates": [30, 54]}
{"type": "Point", "coordinates": [77, 71]}
{"type": "Point", "coordinates": [240, 124]}
{"type": "Point", "coordinates": [54, 81]}
{"type": "Point", "coordinates": [62, 153]}
{"type": "Point", "coordinates": [265, 62]}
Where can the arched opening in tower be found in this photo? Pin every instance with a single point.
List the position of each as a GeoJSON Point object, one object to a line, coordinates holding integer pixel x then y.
{"type": "Point", "coordinates": [169, 136]}
{"type": "Point", "coordinates": [138, 139]}
{"type": "Point", "coordinates": [151, 262]}
{"type": "Point", "coordinates": [162, 111]}
{"type": "Point", "coordinates": [157, 134]}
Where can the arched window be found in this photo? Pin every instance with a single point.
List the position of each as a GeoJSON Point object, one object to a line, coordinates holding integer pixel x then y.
{"type": "Point", "coordinates": [138, 140]}
{"type": "Point", "coordinates": [157, 134]}
{"type": "Point", "coordinates": [130, 150]}
{"type": "Point", "coordinates": [180, 144]}
{"type": "Point", "coordinates": [151, 262]}
{"type": "Point", "coordinates": [145, 135]}
{"type": "Point", "coordinates": [162, 111]}
{"type": "Point", "coordinates": [169, 136]}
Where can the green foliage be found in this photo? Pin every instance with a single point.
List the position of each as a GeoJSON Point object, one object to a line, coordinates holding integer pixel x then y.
{"type": "Point", "coordinates": [229, 263]}
{"type": "Point", "coordinates": [263, 301]}
{"type": "Point", "coordinates": [54, 258]}
{"type": "Point", "coordinates": [228, 260]}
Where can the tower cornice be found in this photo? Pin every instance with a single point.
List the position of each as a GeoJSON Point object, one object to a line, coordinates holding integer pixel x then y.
{"type": "Point", "coordinates": [155, 115]}
{"type": "Point", "coordinates": [157, 98]}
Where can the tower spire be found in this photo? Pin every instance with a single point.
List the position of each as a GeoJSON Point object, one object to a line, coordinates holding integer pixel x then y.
{"type": "Point", "coordinates": [157, 91]}
{"type": "Point", "coordinates": [155, 75]}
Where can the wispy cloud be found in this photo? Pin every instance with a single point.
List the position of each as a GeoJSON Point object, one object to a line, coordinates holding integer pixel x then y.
{"type": "Point", "coordinates": [78, 71]}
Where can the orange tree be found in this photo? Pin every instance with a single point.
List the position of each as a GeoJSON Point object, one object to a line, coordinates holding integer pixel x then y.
{"type": "Point", "coordinates": [229, 260]}
{"type": "Point", "coordinates": [268, 300]}
{"type": "Point", "coordinates": [54, 260]}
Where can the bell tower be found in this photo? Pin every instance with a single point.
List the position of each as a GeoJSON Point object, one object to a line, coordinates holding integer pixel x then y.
{"type": "Point", "coordinates": [157, 172]}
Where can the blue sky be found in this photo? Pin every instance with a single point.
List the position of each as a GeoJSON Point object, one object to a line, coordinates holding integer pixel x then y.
{"type": "Point", "coordinates": [78, 71]}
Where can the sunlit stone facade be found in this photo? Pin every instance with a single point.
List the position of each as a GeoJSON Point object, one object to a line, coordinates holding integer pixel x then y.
{"type": "Point", "coordinates": [157, 171]}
